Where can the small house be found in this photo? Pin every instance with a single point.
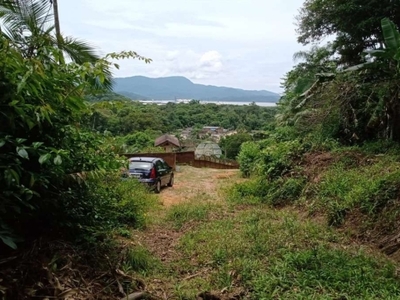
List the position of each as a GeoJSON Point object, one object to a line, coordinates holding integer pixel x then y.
{"type": "Point", "coordinates": [169, 142]}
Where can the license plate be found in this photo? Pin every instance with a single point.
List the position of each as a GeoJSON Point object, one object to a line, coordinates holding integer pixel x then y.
{"type": "Point", "coordinates": [136, 175]}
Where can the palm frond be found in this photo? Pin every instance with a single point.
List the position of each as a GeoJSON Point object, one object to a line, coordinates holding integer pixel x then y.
{"type": "Point", "coordinates": [25, 22]}
{"type": "Point", "coordinates": [78, 51]}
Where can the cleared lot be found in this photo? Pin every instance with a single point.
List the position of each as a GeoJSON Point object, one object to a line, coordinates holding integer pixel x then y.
{"type": "Point", "coordinates": [191, 182]}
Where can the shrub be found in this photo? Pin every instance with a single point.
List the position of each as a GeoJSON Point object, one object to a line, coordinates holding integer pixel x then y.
{"type": "Point", "coordinates": [277, 159]}
{"type": "Point", "coordinates": [248, 157]}
{"type": "Point", "coordinates": [138, 259]}
{"type": "Point", "coordinates": [369, 188]}
{"type": "Point", "coordinates": [45, 154]}
{"type": "Point", "coordinates": [272, 157]}
{"type": "Point", "coordinates": [276, 193]}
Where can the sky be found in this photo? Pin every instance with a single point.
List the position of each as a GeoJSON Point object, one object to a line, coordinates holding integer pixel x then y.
{"type": "Point", "coordinates": [246, 44]}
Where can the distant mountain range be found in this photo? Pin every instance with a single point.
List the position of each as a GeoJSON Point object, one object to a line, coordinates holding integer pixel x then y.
{"type": "Point", "coordinates": [176, 87]}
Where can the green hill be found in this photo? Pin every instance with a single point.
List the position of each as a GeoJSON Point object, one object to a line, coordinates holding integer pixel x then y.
{"type": "Point", "coordinates": [169, 88]}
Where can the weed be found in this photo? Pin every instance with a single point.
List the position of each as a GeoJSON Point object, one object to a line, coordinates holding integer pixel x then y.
{"type": "Point", "coordinates": [139, 259]}
{"type": "Point", "coordinates": [274, 254]}
{"type": "Point", "coordinates": [276, 193]}
{"type": "Point", "coordinates": [124, 232]}
{"type": "Point", "coordinates": [370, 188]}
{"type": "Point", "coordinates": [189, 211]}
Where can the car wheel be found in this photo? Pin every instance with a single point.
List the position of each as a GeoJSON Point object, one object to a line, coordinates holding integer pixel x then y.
{"type": "Point", "coordinates": [171, 181]}
{"type": "Point", "coordinates": [158, 187]}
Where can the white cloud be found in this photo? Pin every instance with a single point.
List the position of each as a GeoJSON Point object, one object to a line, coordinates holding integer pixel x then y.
{"type": "Point", "coordinates": [240, 43]}
{"type": "Point", "coordinates": [191, 64]}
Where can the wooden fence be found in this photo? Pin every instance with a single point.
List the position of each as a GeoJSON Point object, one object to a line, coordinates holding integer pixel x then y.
{"type": "Point", "coordinates": [188, 158]}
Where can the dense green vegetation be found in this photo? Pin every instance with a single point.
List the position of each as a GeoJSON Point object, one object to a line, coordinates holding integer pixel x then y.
{"type": "Point", "coordinates": [53, 168]}
{"type": "Point", "coordinates": [334, 150]}
{"type": "Point", "coordinates": [333, 153]}
{"type": "Point", "coordinates": [127, 117]}
{"type": "Point", "coordinates": [239, 249]}
{"type": "Point", "coordinates": [133, 126]}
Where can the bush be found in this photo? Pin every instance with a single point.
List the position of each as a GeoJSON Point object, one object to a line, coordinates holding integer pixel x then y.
{"type": "Point", "coordinates": [248, 156]}
{"type": "Point", "coordinates": [45, 154]}
{"type": "Point", "coordinates": [369, 188]}
{"type": "Point", "coordinates": [277, 159]}
{"type": "Point", "coordinates": [273, 157]}
{"type": "Point", "coordinates": [112, 202]}
{"type": "Point", "coordinates": [276, 193]}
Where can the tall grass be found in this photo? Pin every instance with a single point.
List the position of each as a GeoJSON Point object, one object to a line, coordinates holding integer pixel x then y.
{"type": "Point", "coordinates": [276, 255]}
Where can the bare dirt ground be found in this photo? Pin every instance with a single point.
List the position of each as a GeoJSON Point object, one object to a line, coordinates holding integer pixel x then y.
{"type": "Point", "coordinates": [191, 182]}
{"type": "Point", "coordinates": [160, 238]}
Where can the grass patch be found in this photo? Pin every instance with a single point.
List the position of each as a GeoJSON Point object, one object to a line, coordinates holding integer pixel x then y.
{"type": "Point", "coordinates": [279, 192]}
{"type": "Point", "coordinates": [139, 259]}
{"type": "Point", "coordinates": [190, 211]}
{"type": "Point", "coordinates": [370, 188]}
{"type": "Point", "coordinates": [276, 255]}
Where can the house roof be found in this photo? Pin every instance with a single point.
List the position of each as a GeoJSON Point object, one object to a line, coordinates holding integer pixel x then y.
{"type": "Point", "coordinates": [167, 138]}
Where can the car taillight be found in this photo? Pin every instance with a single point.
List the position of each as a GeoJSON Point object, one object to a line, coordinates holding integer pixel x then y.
{"type": "Point", "coordinates": [153, 173]}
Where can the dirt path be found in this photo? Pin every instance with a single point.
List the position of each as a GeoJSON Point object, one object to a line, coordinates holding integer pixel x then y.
{"type": "Point", "coordinates": [191, 182]}
{"type": "Point", "coordinates": [192, 185]}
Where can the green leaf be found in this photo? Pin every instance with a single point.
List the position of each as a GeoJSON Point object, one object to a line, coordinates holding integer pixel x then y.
{"type": "Point", "coordinates": [22, 152]}
{"type": "Point", "coordinates": [8, 241]}
{"type": "Point", "coordinates": [20, 141]}
{"type": "Point", "coordinates": [101, 78]}
{"type": "Point", "coordinates": [44, 157]}
{"type": "Point", "coordinates": [11, 176]}
{"type": "Point", "coordinates": [391, 35]}
{"type": "Point", "coordinates": [32, 181]}
{"type": "Point", "coordinates": [37, 144]}
{"type": "Point", "coordinates": [58, 160]}
{"type": "Point", "coordinates": [2, 143]}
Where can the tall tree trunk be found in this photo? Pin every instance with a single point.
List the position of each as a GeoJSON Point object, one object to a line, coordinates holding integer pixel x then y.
{"type": "Point", "coordinates": [57, 27]}
{"type": "Point", "coordinates": [56, 20]}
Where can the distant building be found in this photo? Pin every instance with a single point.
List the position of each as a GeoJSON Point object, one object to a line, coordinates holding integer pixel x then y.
{"type": "Point", "coordinates": [210, 131]}
{"type": "Point", "coordinates": [169, 142]}
{"type": "Point", "coordinates": [186, 133]}
{"type": "Point", "coordinates": [208, 149]}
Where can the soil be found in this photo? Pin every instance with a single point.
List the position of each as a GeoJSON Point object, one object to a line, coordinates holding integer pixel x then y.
{"type": "Point", "coordinates": [190, 182]}
{"type": "Point", "coordinates": [161, 239]}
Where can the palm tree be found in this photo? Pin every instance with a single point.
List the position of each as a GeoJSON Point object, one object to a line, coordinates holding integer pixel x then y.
{"type": "Point", "coordinates": [30, 26]}
{"type": "Point", "coordinates": [56, 18]}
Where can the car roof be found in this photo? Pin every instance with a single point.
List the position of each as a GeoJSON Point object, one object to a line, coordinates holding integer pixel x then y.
{"type": "Point", "coordinates": [142, 158]}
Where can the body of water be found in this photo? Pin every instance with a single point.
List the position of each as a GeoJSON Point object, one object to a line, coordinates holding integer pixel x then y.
{"type": "Point", "coordinates": [163, 102]}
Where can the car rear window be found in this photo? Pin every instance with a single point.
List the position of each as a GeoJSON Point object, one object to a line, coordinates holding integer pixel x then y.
{"type": "Point", "coordinates": [141, 165]}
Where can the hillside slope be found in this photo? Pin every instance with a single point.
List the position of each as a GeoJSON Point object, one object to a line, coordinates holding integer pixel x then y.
{"type": "Point", "coordinates": [169, 88]}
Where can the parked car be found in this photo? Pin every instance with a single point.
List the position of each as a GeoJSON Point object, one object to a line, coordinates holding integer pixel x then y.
{"type": "Point", "coordinates": [153, 171]}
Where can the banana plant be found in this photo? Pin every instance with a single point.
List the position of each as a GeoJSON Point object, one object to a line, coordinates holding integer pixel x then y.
{"type": "Point", "coordinates": [391, 37]}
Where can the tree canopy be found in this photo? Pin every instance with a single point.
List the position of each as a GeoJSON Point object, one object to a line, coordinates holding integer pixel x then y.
{"type": "Point", "coordinates": [45, 151]}
{"type": "Point", "coordinates": [354, 25]}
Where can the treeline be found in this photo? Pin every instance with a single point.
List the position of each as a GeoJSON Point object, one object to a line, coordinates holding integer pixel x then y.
{"type": "Point", "coordinates": [335, 147]}
{"type": "Point", "coordinates": [127, 117]}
